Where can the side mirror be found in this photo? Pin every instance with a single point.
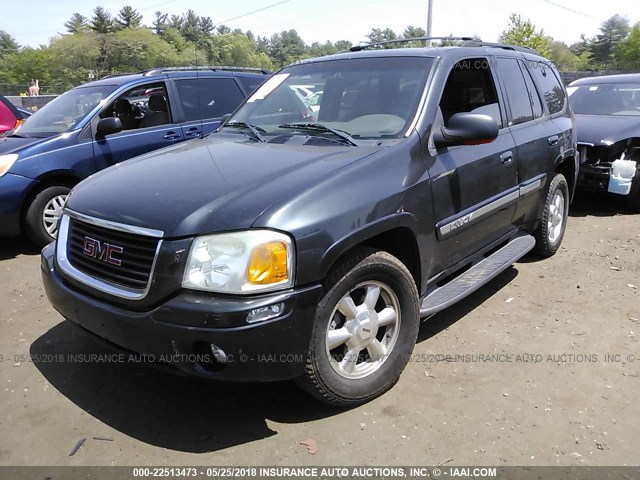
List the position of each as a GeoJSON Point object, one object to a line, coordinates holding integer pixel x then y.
{"type": "Point", "coordinates": [224, 118]}
{"type": "Point", "coordinates": [109, 125]}
{"type": "Point", "coordinates": [466, 129]}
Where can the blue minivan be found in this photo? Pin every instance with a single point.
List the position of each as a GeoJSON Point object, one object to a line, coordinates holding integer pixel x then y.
{"type": "Point", "coordinates": [101, 123]}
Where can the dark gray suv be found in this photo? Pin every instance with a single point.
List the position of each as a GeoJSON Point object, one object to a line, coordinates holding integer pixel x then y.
{"type": "Point", "coordinates": [307, 244]}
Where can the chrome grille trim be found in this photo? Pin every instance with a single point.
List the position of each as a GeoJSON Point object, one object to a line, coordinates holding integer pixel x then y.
{"type": "Point", "coordinates": [120, 291]}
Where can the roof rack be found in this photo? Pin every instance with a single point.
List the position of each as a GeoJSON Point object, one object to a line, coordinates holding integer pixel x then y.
{"type": "Point", "coordinates": [213, 68]}
{"type": "Point", "coordinates": [504, 46]}
{"type": "Point", "coordinates": [358, 48]}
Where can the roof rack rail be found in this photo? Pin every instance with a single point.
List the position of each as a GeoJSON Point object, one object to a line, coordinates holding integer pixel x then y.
{"type": "Point", "coordinates": [214, 68]}
{"type": "Point", "coordinates": [111, 75]}
{"type": "Point", "coordinates": [504, 46]}
{"type": "Point", "coordinates": [358, 48]}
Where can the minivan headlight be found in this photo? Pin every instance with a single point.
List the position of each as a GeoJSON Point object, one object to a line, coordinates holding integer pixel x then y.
{"type": "Point", "coordinates": [240, 262]}
{"type": "Point", "coordinates": [6, 162]}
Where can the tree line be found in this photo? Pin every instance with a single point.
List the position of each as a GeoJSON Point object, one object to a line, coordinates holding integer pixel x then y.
{"type": "Point", "coordinates": [106, 44]}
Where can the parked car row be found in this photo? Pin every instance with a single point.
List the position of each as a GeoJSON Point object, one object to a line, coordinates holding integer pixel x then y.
{"type": "Point", "coordinates": [316, 215]}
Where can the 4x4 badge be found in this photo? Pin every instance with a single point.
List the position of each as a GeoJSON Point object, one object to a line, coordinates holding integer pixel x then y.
{"type": "Point", "coordinates": [102, 251]}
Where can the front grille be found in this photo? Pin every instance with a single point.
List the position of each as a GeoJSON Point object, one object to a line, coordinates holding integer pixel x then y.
{"type": "Point", "coordinates": [113, 256]}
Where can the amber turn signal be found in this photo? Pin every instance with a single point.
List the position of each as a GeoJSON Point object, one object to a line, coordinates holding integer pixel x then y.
{"type": "Point", "coordinates": [268, 264]}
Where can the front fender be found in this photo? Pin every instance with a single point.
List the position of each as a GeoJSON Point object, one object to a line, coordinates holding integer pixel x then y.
{"type": "Point", "coordinates": [367, 232]}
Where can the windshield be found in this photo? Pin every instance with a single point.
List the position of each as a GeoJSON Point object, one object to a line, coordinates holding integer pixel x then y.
{"type": "Point", "coordinates": [64, 112]}
{"type": "Point", "coordinates": [606, 99]}
{"type": "Point", "coordinates": [364, 98]}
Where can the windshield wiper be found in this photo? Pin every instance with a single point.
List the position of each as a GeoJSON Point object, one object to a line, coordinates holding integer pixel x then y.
{"type": "Point", "coordinates": [254, 129]}
{"type": "Point", "coordinates": [318, 127]}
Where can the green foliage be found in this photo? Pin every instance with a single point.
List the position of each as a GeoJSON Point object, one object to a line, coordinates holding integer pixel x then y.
{"type": "Point", "coordinates": [8, 44]}
{"type": "Point", "coordinates": [100, 45]}
{"type": "Point", "coordinates": [234, 49]}
{"type": "Point", "coordinates": [562, 56]}
{"type": "Point", "coordinates": [173, 37]}
{"type": "Point", "coordinates": [378, 35]}
{"type": "Point", "coordinates": [630, 49]}
{"type": "Point", "coordinates": [74, 58]}
{"type": "Point", "coordinates": [286, 47]}
{"type": "Point", "coordinates": [128, 17]}
{"type": "Point", "coordinates": [76, 24]}
{"type": "Point", "coordinates": [101, 22]}
{"type": "Point", "coordinates": [160, 22]}
{"type": "Point", "coordinates": [413, 32]}
{"type": "Point", "coordinates": [20, 68]}
{"type": "Point", "coordinates": [135, 49]}
{"type": "Point", "coordinates": [523, 33]}
{"type": "Point", "coordinates": [604, 48]}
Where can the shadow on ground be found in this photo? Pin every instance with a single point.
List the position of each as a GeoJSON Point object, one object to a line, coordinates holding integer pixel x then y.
{"type": "Point", "coordinates": [598, 205]}
{"type": "Point", "coordinates": [185, 414]}
{"type": "Point", "coordinates": [443, 320]}
{"type": "Point", "coordinates": [162, 408]}
{"type": "Point", "coordinates": [13, 247]}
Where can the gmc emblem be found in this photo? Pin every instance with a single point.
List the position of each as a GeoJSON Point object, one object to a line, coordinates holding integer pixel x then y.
{"type": "Point", "coordinates": [105, 252]}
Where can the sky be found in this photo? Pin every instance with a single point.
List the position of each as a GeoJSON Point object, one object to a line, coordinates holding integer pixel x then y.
{"type": "Point", "coordinates": [34, 22]}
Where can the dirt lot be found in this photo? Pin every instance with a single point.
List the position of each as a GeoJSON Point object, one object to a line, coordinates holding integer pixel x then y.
{"type": "Point", "coordinates": [547, 396]}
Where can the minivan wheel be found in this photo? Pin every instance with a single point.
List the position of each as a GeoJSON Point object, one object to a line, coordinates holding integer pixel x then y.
{"type": "Point", "coordinates": [365, 329]}
{"type": "Point", "coordinates": [43, 215]}
{"type": "Point", "coordinates": [550, 232]}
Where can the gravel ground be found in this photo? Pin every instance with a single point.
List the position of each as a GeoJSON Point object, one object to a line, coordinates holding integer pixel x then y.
{"type": "Point", "coordinates": [540, 367]}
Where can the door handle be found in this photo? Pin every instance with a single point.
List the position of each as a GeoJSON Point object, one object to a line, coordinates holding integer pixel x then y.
{"type": "Point", "coordinates": [553, 141]}
{"type": "Point", "coordinates": [171, 135]}
{"type": "Point", "coordinates": [506, 158]}
{"type": "Point", "coordinates": [192, 132]}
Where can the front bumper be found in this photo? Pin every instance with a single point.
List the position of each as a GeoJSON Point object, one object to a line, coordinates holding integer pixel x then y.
{"type": "Point", "coordinates": [13, 191]}
{"type": "Point", "coordinates": [594, 178]}
{"type": "Point", "coordinates": [181, 330]}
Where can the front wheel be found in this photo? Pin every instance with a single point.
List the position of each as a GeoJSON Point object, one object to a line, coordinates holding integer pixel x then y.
{"type": "Point", "coordinates": [365, 329]}
{"type": "Point", "coordinates": [550, 232]}
{"type": "Point", "coordinates": [43, 215]}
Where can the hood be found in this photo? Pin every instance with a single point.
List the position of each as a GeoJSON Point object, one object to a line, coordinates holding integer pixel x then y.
{"type": "Point", "coordinates": [602, 129]}
{"type": "Point", "coordinates": [15, 144]}
{"type": "Point", "coordinates": [223, 182]}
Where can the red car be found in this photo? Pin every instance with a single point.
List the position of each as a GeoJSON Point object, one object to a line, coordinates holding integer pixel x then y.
{"type": "Point", "coordinates": [10, 116]}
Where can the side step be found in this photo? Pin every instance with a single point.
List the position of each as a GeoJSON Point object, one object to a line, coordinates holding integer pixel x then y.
{"type": "Point", "coordinates": [476, 276]}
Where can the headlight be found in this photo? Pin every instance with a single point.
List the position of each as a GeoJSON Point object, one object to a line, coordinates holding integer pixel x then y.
{"type": "Point", "coordinates": [6, 162]}
{"type": "Point", "coordinates": [240, 262]}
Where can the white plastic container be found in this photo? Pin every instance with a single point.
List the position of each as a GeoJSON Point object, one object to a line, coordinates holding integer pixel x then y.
{"type": "Point", "coordinates": [621, 178]}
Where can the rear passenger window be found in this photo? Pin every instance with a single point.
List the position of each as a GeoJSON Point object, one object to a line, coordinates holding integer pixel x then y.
{"type": "Point", "coordinates": [250, 84]}
{"type": "Point", "coordinates": [188, 91]}
{"type": "Point", "coordinates": [219, 96]}
{"type": "Point", "coordinates": [549, 84]}
{"type": "Point", "coordinates": [516, 89]}
{"type": "Point", "coordinates": [533, 93]}
{"type": "Point", "coordinates": [208, 97]}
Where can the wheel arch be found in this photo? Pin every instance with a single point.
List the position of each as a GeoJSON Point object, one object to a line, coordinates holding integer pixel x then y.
{"type": "Point", "coordinates": [50, 179]}
{"type": "Point", "coordinates": [394, 235]}
{"type": "Point", "coordinates": [568, 167]}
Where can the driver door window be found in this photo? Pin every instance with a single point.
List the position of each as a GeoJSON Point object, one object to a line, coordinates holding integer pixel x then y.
{"type": "Point", "coordinates": [141, 107]}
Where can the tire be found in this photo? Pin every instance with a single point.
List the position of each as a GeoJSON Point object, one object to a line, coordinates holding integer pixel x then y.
{"type": "Point", "coordinates": [333, 373]}
{"type": "Point", "coordinates": [550, 232]}
{"type": "Point", "coordinates": [42, 230]}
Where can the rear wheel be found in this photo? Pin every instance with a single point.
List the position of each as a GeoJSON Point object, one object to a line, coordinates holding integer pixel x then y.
{"type": "Point", "coordinates": [365, 329]}
{"type": "Point", "coordinates": [550, 232]}
{"type": "Point", "coordinates": [43, 215]}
